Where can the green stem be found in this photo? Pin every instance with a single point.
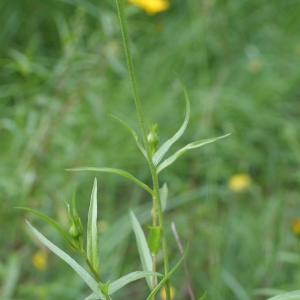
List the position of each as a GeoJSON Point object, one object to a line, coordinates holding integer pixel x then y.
{"type": "Point", "coordinates": [98, 279]}
{"type": "Point", "coordinates": [144, 134]}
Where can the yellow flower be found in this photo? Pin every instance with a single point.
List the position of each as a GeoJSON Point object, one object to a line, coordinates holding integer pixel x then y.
{"type": "Point", "coordinates": [296, 227]}
{"type": "Point", "coordinates": [162, 293]}
{"type": "Point", "coordinates": [103, 225]}
{"type": "Point", "coordinates": [255, 66]}
{"type": "Point", "coordinates": [151, 7]}
{"type": "Point", "coordinates": [297, 50]}
{"type": "Point", "coordinates": [39, 260]}
{"type": "Point", "coordinates": [239, 182]}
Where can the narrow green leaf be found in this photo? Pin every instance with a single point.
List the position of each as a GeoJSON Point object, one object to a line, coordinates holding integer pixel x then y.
{"type": "Point", "coordinates": [116, 171]}
{"type": "Point", "coordinates": [154, 239]}
{"type": "Point", "coordinates": [93, 296]}
{"type": "Point", "coordinates": [166, 146]}
{"type": "Point", "coordinates": [75, 214]}
{"type": "Point", "coordinates": [157, 288]}
{"type": "Point", "coordinates": [53, 224]}
{"type": "Point", "coordinates": [181, 151]}
{"type": "Point", "coordinates": [143, 249]}
{"type": "Point", "coordinates": [203, 296]}
{"type": "Point", "coordinates": [163, 196]}
{"type": "Point", "coordinates": [118, 284]}
{"type": "Point", "coordinates": [139, 144]}
{"type": "Point", "coordinates": [70, 261]}
{"type": "Point", "coordinates": [92, 232]}
{"type": "Point", "coordinates": [295, 295]}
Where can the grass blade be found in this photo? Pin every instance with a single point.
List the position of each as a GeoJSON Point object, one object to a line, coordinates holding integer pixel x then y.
{"type": "Point", "coordinates": [53, 224]}
{"type": "Point", "coordinates": [161, 283]}
{"type": "Point", "coordinates": [118, 284]}
{"type": "Point", "coordinates": [181, 151]}
{"type": "Point", "coordinates": [166, 146]}
{"type": "Point", "coordinates": [143, 249]}
{"type": "Point", "coordinates": [116, 171]}
{"type": "Point", "coordinates": [141, 147]}
{"type": "Point", "coordinates": [295, 295]}
{"type": "Point", "coordinates": [92, 232]}
{"type": "Point", "coordinates": [70, 261]}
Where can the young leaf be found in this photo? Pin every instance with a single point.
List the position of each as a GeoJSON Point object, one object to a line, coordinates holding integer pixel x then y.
{"type": "Point", "coordinates": [116, 171]}
{"type": "Point", "coordinates": [163, 196]}
{"type": "Point", "coordinates": [193, 145]}
{"type": "Point", "coordinates": [53, 224]}
{"type": "Point", "coordinates": [203, 296]}
{"type": "Point", "coordinates": [118, 284]}
{"type": "Point", "coordinates": [64, 256]}
{"type": "Point", "coordinates": [75, 214]}
{"type": "Point", "coordinates": [166, 146]}
{"type": "Point", "coordinates": [295, 295]}
{"type": "Point", "coordinates": [154, 239]}
{"type": "Point", "coordinates": [143, 249]}
{"type": "Point", "coordinates": [157, 288]}
{"type": "Point", "coordinates": [104, 287]}
{"type": "Point", "coordinates": [92, 233]}
{"type": "Point", "coordinates": [133, 134]}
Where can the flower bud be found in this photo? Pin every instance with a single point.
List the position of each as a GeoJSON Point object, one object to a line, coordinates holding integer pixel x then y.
{"type": "Point", "coordinates": [74, 231]}
{"type": "Point", "coordinates": [153, 138]}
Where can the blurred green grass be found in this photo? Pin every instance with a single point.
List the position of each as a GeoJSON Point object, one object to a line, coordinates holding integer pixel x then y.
{"type": "Point", "coordinates": [63, 71]}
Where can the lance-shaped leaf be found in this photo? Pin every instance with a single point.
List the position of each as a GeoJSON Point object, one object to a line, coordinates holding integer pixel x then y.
{"type": "Point", "coordinates": [74, 211]}
{"type": "Point", "coordinates": [163, 196]}
{"type": "Point", "coordinates": [295, 295]}
{"type": "Point", "coordinates": [161, 283]}
{"type": "Point", "coordinates": [116, 171]}
{"type": "Point", "coordinates": [153, 239]}
{"type": "Point", "coordinates": [181, 151]}
{"type": "Point", "coordinates": [118, 284]}
{"type": "Point", "coordinates": [91, 282]}
{"type": "Point", "coordinates": [92, 246]}
{"type": "Point", "coordinates": [139, 144]}
{"type": "Point", "coordinates": [143, 249]}
{"type": "Point", "coordinates": [203, 296]}
{"type": "Point", "coordinates": [166, 146]}
{"type": "Point", "coordinates": [53, 224]}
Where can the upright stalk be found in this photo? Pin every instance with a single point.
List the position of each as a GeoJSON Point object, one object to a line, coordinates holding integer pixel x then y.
{"type": "Point", "coordinates": [154, 217]}
{"type": "Point", "coordinates": [144, 135]}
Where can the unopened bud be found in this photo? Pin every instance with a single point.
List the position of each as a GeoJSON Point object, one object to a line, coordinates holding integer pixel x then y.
{"type": "Point", "coordinates": [74, 231]}
{"type": "Point", "coordinates": [153, 138]}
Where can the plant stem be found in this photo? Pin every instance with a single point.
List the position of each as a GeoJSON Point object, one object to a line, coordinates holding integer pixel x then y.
{"type": "Point", "coordinates": [154, 217]}
{"type": "Point", "coordinates": [146, 144]}
{"type": "Point", "coordinates": [98, 279]}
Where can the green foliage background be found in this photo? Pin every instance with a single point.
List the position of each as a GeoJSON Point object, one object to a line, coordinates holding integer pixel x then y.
{"type": "Point", "coordinates": [63, 71]}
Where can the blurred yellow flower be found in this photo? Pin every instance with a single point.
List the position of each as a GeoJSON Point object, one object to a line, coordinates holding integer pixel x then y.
{"type": "Point", "coordinates": [297, 50]}
{"type": "Point", "coordinates": [39, 260]}
{"type": "Point", "coordinates": [103, 225]}
{"type": "Point", "coordinates": [255, 66]}
{"type": "Point", "coordinates": [296, 227]}
{"type": "Point", "coordinates": [151, 7]}
{"type": "Point", "coordinates": [162, 293]}
{"type": "Point", "coordinates": [239, 182]}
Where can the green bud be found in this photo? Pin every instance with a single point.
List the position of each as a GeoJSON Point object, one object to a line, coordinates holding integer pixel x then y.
{"type": "Point", "coordinates": [153, 138]}
{"type": "Point", "coordinates": [74, 231]}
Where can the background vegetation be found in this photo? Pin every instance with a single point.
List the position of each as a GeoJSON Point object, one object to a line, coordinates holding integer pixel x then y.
{"type": "Point", "coordinates": [63, 71]}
